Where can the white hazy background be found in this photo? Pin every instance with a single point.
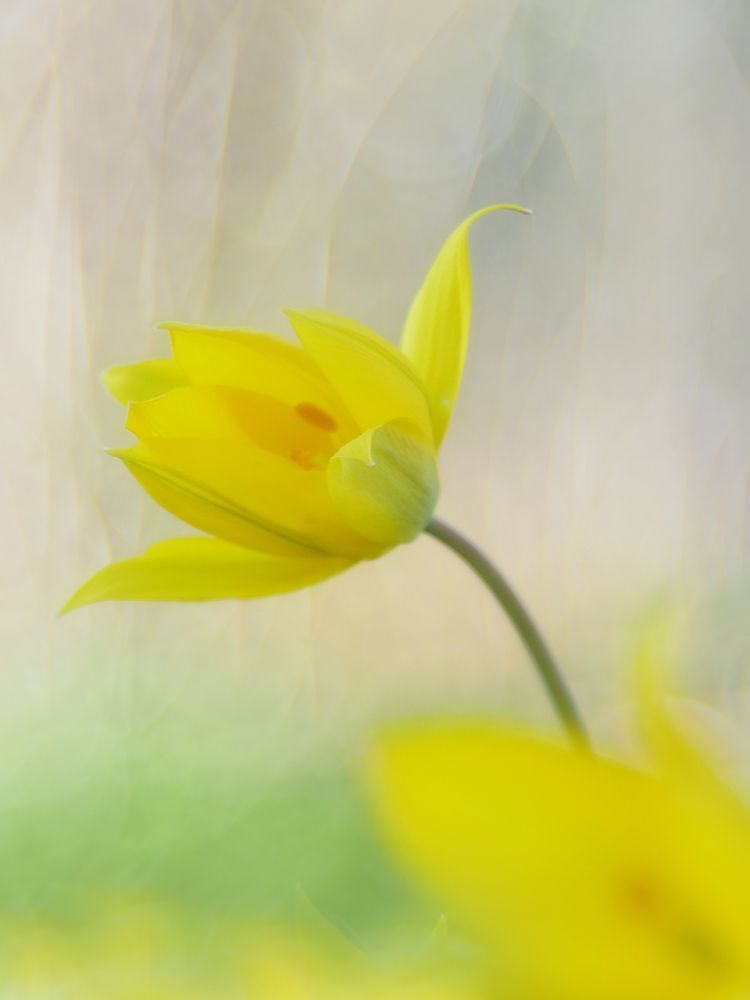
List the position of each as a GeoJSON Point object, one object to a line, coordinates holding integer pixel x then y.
{"type": "Point", "coordinates": [215, 161]}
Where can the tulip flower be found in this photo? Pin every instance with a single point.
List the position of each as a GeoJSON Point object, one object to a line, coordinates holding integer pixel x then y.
{"type": "Point", "coordinates": [296, 462]}
{"type": "Point", "coordinates": [584, 879]}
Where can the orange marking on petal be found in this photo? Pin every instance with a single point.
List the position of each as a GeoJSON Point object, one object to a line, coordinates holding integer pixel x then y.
{"type": "Point", "coordinates": [642, 896]}
{"type": "Point", "coordinates": [307, 460]}
{"type": "Point", "coordinates": [301, 459]}
{"type": "Point", "coordinates": [312, 414]}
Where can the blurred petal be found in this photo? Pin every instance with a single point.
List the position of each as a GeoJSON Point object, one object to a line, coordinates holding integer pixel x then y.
{"type": "Point", "coordinates": [202, 569]}
{"type": "Point", "coordinates": [132, 383]}
{"type": "Point", "coordinates": [256, 362]}
{"type": "Point", "coordinates": [376, 382]}
{"type": "Point", "coordinates": [437, 326]}
{"type": "Point", "coordinates": [293, 964]}
{"type": "Point", "coordinates": [244, 495]}
{"type": "Point", "coordinates": [469, 804]}
{"type": "Point", "coordinates": [673, 748]}
{"type": "Point", "coordinates": [385, 482]}
{"type": "Point", "coordinates": [587, 879]}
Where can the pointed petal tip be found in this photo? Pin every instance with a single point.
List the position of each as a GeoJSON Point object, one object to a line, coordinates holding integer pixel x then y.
{"type": "Point", "coordinates": [302, 315]}
{"type": "Point", "coordinates": [142, 380]}
{"type": "Point", "coordinates": [110, 379]}
{"type": "Point", "coordinates": [320, 318]}
{"type": "Point", "coordinates": [202, 568]}
{"type": "Point", "coordinates": [77, 600]}
{"type": "Point", "coordinates": [499, 207]}
{"type": "Point", "coordinates": [292, 315]}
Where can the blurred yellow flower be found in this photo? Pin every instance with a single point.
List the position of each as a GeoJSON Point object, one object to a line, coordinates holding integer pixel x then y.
{"type": "Point", "coordinates": [283, 965]}
{"type": "Point", "coordinates": [135, 949]}
{"type": "Point", "coordinates": [147, 949]}
{"type": "Point", "coordinates": [296, 461]}
{"type": "Point", "coordinates": [584, 879]}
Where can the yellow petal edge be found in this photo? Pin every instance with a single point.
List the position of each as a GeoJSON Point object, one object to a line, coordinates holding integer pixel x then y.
{"type": "Point", "coordinates": [202, 569]}
{"type": "Point", "coordinates": [436, 331]}
{"type": "Point", "coordinates": [144, 380]}
{"type": "Point", "coordinates": [585, 878]}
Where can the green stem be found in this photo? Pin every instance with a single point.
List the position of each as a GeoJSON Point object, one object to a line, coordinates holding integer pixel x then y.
{"type": "Point", "coordinates": [545, 664]}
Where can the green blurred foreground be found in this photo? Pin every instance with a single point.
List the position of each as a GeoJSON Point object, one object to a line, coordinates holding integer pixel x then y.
{"type": "Point", "coordinates": [450, 859]}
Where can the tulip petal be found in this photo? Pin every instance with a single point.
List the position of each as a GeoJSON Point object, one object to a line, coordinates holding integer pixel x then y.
{"type": "Point", "coordinates": [244, 495]}
{"type": "Point", "coordinates": [256, 362]}
{"type": "Point", "coordinates": [514, 837]}
{"type": "Point", "coordinates": [586, 878]}
{"type": "Point", "coordinates": [228, 414]}
{"type": "Point", "coordinates": [145, 380]}
{"type": "Point", "coordinates": [376, 382]}
{"type": "Point", "coordinates": [202, 569]}
{"type": "Point", "coordinates": [673, 748]}
{"type": "Point", "coordinates": [385, 482]}
{"type": "Point", "coordinates": [436, 332]}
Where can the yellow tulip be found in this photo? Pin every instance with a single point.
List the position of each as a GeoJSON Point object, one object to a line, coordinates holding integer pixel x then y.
{"type": "Point", "coordinates": [296, 461]}
{"type": "Point", "coordinates": [583, 879]}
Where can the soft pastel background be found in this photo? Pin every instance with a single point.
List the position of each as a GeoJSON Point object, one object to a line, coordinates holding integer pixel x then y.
{"type": "Point", "coordinates": [214, 161]}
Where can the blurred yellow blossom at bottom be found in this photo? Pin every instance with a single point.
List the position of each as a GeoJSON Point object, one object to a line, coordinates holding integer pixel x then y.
{"type": "Point", "coordinates": [148, 950]}
{"type": "Point", "coordinates": [293, 967]}
{"type": "Point", "coordinates": [583, 879]}
{"type": "Point", "coordinates": [131, 948]}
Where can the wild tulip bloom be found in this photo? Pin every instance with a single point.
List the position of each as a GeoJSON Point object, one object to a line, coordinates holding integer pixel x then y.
{"type": "Point", "coordinates": [299, 461]}
{"type": "Point", "coordinates": [584, 879]}
{"type": "Point", "coordinates": [295, 461]}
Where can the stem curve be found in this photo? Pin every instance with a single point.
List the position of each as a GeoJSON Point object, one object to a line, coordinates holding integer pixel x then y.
{"type": "Point", "coordinates": [544, 662]}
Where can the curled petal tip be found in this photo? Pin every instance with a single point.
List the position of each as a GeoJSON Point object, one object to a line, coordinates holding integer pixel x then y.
{"type": "Point", "coordinates": [501, 207]}
{"type": "Point", "coordinates": [436, 331]}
